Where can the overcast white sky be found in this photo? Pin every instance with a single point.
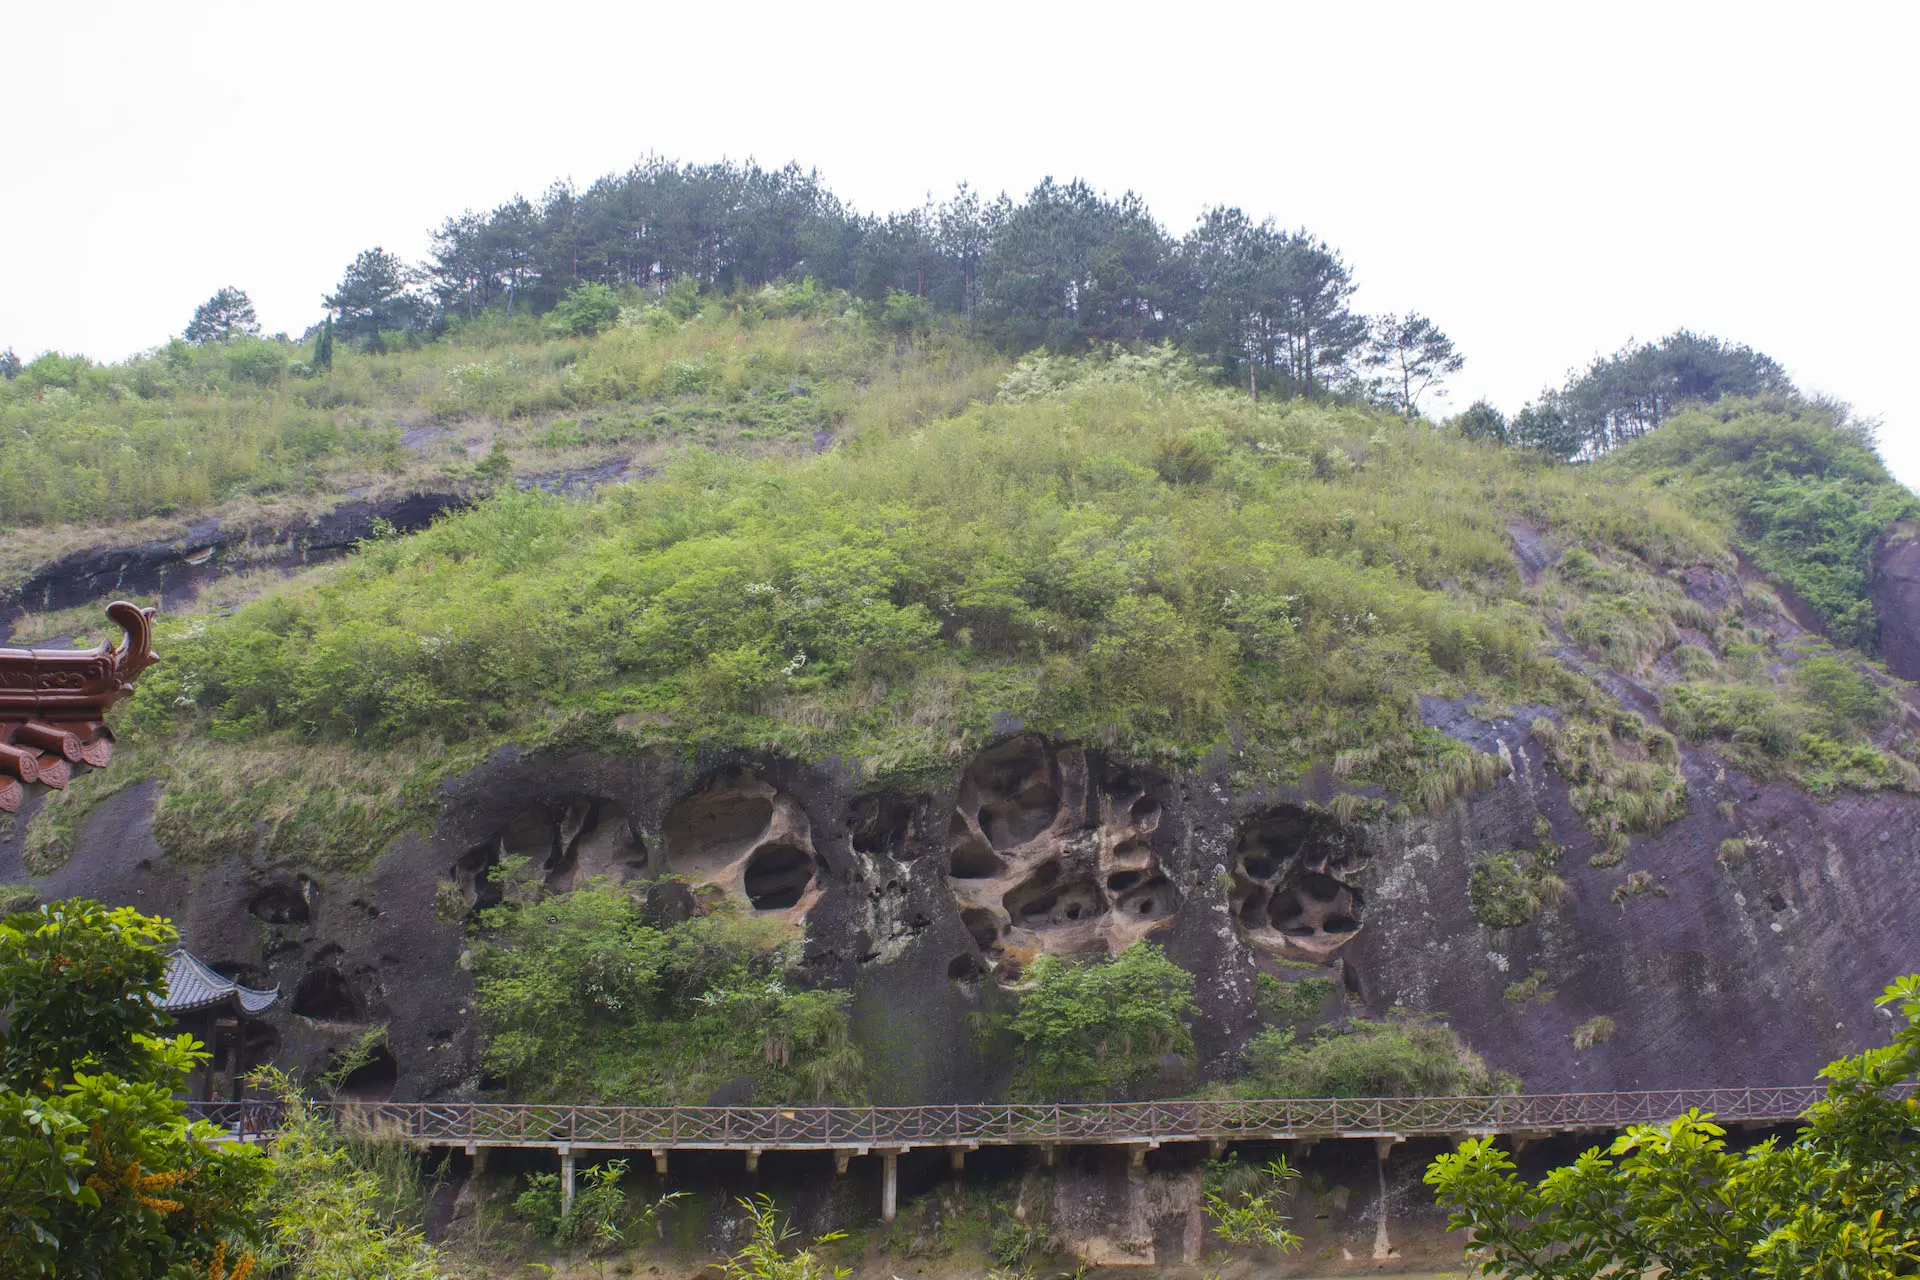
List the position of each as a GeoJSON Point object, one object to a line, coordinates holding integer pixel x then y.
{"type": "Point", "coordinates": [1545, 180]}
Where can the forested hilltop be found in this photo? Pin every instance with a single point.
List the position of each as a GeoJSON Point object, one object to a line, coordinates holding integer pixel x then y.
{"type": "Point", "coordinates": [487, 331]}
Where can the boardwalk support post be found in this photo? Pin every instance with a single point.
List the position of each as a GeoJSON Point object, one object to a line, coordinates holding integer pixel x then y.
{"type": "Point", "coordinates": [1216, 1147]}
{"type": "Point", "coordinates": [1137, 1155]}
{"type": "Point", "coordinates": [1049, 1154]}
{"type": "Point", "coordinates": [566, 1179]}
{"type": "Point", "coordinates": [959, 1157]}
{"type": "Point", "coordinates": [840, 1158]}
{"type": "Point", "coordinates": [660, 1161]}
{"type": "Point", "coordinates": [889, 1183]}
{"type": "Point", "coordinates": [753, 1159]}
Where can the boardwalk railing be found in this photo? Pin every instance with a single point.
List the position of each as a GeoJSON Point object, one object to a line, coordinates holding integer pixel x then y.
{"type": "Point", "coordinates": [770, 1128]}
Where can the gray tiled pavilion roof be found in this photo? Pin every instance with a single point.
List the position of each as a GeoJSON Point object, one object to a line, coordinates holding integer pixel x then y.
{"type": "Point", "coordinates": [191, 985]}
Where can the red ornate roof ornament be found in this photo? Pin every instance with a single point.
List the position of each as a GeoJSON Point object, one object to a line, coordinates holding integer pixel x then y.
{"type": "Point", "coordinates": [53, 704]}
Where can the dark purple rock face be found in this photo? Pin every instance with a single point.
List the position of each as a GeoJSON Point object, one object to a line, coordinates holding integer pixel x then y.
{"type": "Point", "coordinates": [1896, 598]}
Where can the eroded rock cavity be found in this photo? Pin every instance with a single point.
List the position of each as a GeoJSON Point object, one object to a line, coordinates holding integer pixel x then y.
{"type": "Point", "coordinates": [1051, 850]}
{"type": "Point", "coordinates": [1292, 882]}
{"type": "Point", "coordinates": [741, 835]}
{"type": "Point", "coordinates": [566, 841]}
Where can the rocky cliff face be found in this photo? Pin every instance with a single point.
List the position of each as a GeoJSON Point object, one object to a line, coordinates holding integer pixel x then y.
{"type": "Point", "coordinates": [922, 902]}
{"type": "Point", "coordinates": [1896, 598]}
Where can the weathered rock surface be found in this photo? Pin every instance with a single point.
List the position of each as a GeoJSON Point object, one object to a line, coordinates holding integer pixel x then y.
{"type": "Point", "coordinates": [173, 570]}
{"type": "Point", "coordinates": [1896, 598]}
{"type": "Point", "coordinates": [1756, 974]}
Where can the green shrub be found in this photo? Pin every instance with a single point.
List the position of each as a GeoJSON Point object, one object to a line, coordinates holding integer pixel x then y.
{"type": "Point", "coordinates": [1845, 693]}
{"type": "Point", "coordinates": [1532, 989]}
{"type": "Point", "coordinates": [1508, 890]}
{"type": "Point", "coordinates": [579, 998]}
{"type": "Point", "coordinates": [585, 309]}
{"type": "Point", "coordinates": [1094, 1028]}
{"type": "Point", "coordinates": [1595, 1030]}
{"type": "Point", "coordinates": [1300, 1000]}
{"type": "Point", "coordinates": [1403, 1056]}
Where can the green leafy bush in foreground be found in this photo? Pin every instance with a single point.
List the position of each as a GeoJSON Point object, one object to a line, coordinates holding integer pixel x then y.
{"type": "Point", "coordinates": [1839, 1201]}
{"type": "Point", "coordinates": [101, 1175]}
{"type": "Point", "coordinates": [583, 1000]}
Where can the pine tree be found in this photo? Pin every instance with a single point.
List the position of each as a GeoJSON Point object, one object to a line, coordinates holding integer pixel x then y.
{"type": "Point", "coordinates": [323, 346]}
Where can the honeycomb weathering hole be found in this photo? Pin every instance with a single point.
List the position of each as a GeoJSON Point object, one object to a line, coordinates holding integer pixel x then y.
{"type": "Point", "coordinates": [1289, 866]}
{"type": "Point", "coordinates": [1017, 790]}
{"type": "Point", "coordinates": [980, 923]}
{"type": "Point", "coordinates": [777, 877]}
{"type": "Point", "coordinates": [713, 827]}
{"type": "Point", "coordinates": [975, 862]}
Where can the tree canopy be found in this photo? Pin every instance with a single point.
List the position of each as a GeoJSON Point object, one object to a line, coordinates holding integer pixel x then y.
{"type": "Point", "coordinates": [100, 1173]}
{"type": "Point", "coordinates": [225, 316]}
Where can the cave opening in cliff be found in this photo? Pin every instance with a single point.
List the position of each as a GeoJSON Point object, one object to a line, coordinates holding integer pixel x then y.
{"type": "Point", "coordinates": [281, 903]}
{"type": "Point", "coordinates": [777, 876]}
{"type": "Point", "coordinates": [375, 1078]}
{"type": "Point", "coordinates": [325, 996]}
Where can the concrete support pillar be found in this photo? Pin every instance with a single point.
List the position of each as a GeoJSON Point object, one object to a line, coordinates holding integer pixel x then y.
{"type": "Point", "coordinates": [1049, 1154]}
{"type": "Point", "coordinates": [958, 1155]}
{"type": "Point", "coordinates": [1300, 1148]}
{"type": "Point", "coordinates": [1137, 1156]}
{"type": "Point", "coordinates": [1216, 1147]}
{"type": "Point", "coordinates": [889, 1184]}
{"type": "Point", "coordinates": [840, 1158]}
{"type": "Point", "coordinates": [566, 1179]}
{"type": "Point", "coordinates": [660, 1161]}
{"type": "Point", "coordinates": [753, 1160]}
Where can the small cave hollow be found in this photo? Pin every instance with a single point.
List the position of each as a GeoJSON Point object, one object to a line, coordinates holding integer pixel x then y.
{"type": "Point", "coordinates": [282, 903]}
{"type": "Point", "coordinates": [1145, 813]}
{"type": "Point", "coordinates": [712, 827]}
{"type": "Point", "coordinates": [965, 968]}
{"type": "Point", "coordinates": [325, 996]}
{"type": "Point", "coordinates": [777, 877]}
{"type": "Point", "coordinates": [375, 1078]}
{"type": "Point", "coordinates": [974, 861]}
{"type": "Point", "coordinates": [1121, 881]}
{"type": "Point", "coordinates": [981, 926]}
{"type": "Point", "coordinates": [1153, 900]}
{"type": "Point", "coordinates": [883, 825]}
{"type": "Point", "coordinates": [1316, 906]}
{"type": "Point", "coordinates": [1074, 901]}
{"type": "Point", "coordinates": [1017, 789]}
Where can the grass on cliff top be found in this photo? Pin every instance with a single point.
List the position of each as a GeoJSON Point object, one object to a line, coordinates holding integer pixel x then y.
{"type": "Point", "coordinates": [1109, 551]}
{"type": "Point", "coordinates": [108, 454]}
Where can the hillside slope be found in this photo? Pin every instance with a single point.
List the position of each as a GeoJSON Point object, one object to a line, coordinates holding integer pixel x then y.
{"type": "Point", "coordinates": [1106, 654]}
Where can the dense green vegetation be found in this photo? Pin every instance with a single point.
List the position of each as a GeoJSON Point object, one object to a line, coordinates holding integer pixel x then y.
{"type": "Point", "coordinates": [1092, 1029]}
{"type": "Point", "coordinates": [1841, 1199]}
{"type": "Point", "coordinates": [250, 422]}
{"type": "Point", "coordinates": [1110, 548]}
{"type": "Point", "coordinates": [1806, 493]}
{"type": "Point", "coordinates": [584, 1000]}
{"type": "Point", "coordinates": [104, 1177]}
{"type": "Point", "coordinates": [1402, 1055]}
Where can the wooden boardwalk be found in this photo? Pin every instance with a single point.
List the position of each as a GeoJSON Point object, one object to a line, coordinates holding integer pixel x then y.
{"type": "Point", "coordinates": [508, 1124]}
{"type": "Point", "coordinates": [889, 1131]}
